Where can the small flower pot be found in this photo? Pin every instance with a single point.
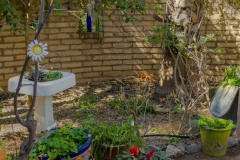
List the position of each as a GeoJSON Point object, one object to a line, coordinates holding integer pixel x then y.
{"type": "Point", "coordinates": [214, 141]}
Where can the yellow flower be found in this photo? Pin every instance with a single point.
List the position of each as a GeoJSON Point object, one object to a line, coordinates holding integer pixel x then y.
{"type": "Point", "coordinates": [37, 50]}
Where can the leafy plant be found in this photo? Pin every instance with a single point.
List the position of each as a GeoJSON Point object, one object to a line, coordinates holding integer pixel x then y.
{"type": "Point", "coordinates": [171, 141]}
{"type": "Point", "coordinates": [85, 102]}
{"type": "Point", "coordinates": [60, 142]}
{"type": "Point", "coordinates": [136, 153]}
{"type": "Point", "coordinates": [230, 76]}
{"type": "Point", "coordinates": [111, 135]}
{"type": "Point", "coordinates": [1, 144]}
{"type": "Point", "coordinates": [213, 123]}
{"type": "Point", "coordinates": [52, 75]}
{"type": "Point", "coordinates": [176, 108]}
{"type": "Point", "coordinates": [120, 104]}
{"type": "Point", "coordinates": [44, 76]}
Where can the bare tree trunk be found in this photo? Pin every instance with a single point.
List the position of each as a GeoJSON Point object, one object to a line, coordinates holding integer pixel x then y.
{"type": "Point", "coordinates": [189, 75]}
{"type": "Point", "coordinates": [30, 123]}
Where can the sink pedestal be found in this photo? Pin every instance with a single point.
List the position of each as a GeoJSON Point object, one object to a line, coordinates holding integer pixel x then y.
{"type": "Point", "coordinates": [43, 113]}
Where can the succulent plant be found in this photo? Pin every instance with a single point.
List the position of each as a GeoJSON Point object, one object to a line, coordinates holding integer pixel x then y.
{"type": "Point", "coordinates": [31, 75]}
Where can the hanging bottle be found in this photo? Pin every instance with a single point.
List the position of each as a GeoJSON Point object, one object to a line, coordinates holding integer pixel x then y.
{"type": "Point", "coordinates": [88, 18]}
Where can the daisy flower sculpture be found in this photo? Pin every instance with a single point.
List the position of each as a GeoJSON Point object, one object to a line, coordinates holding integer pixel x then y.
{"type": "Point", "coordinates": [37, 50]}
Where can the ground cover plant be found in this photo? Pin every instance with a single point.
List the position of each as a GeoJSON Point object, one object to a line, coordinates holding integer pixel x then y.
{"type": "Point", "coordinates": [119, 103]}
{"type": "Point", "coordinates": [85, 102]}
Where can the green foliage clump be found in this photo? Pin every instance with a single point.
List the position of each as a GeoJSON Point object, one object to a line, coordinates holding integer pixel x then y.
{"type": "Point", "coordinates": [1, 144]}
{"type": "Point", "coordinates": [60, 142]}
{"type": "Point", "coordinates": [44, 76]}
{"type": "Point", "coordinates": [210, 123]}
{"type": "Point", "coordinates": [85, 102]}
{"type": "Point", "coordinates": [176, 108]}
{"type": "Point", "coordinates": [230, 76]}
{"type": "Point", "coordinates": [52, 75]}
{"type": "Point", "coordinates": [134, 103]}
{"type": "Point", "coordinates": [161, 35]}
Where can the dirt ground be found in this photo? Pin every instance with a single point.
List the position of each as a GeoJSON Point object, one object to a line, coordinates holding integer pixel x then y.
{"type": "Point", "coordinates": [162, 121]}
{"type": "Point", "coordinates": [232, 154]}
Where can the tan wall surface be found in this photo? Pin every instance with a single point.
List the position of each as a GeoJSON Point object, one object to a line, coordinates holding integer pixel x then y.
{"type": "Point", "coordinates": [122, 52]}
{"type": "Point", "coordinates": [227, 35]}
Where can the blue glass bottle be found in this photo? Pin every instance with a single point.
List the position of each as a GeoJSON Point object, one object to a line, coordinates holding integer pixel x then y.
{"type": "Point", "coordinates": [89, 23]}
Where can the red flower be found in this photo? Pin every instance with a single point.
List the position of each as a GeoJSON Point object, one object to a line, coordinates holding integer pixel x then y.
{"type": "Point", "coordinates": [134, 150]}
{"type": "Point", "coordinates": [150, 154]}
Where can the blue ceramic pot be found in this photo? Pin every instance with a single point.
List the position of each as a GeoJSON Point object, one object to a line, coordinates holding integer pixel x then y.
{"type": "Point", "coordinates": [83, 152]}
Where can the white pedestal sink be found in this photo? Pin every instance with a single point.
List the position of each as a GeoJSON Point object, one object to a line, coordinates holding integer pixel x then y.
{"type": "Point", "coordinates": [43, 112]}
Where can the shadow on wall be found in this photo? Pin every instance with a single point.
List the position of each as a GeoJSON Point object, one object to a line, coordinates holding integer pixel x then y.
{"type": "Point", "coordinates": [122, 52]}
{"type": "Point", "coordinates": [227, 33]}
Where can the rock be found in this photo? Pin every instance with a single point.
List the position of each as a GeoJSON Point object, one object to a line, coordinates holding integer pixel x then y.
{"type": "Point", "coordinates": [193, 148]}
{"type": "Point", "coordinates": [174, 152]}
{"type": "Point", "coordinates": [232, 142]}
{"type": "Point", "coordinates": [181, 146]}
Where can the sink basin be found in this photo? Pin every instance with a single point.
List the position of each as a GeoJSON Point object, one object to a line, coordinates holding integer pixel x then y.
{"type": "Point", "coordinates": [44, 88]}
{"type": "Point", "coordinates": [43, 111]}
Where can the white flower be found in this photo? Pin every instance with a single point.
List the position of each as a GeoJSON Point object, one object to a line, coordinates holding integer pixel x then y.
{"type": "Point", "coordinates": [37, 50]}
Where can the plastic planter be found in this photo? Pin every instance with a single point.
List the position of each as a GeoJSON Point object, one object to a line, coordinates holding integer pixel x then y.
{"type": "Point", "coordinates": [214, 141]}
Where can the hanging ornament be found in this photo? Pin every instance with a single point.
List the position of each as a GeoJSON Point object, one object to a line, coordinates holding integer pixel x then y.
{"type": "Point", "coordinates": [89, 18]}
{"type": "Point", "coordinates": [37, 50]}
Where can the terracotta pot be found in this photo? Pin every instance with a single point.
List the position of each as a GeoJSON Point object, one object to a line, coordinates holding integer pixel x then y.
{"type": "Point", "coordinates": [110, 152]}
{"type": "Point", "coordinates": [2, 154]}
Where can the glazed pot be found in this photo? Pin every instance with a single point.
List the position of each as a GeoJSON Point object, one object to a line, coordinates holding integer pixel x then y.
{"type": "Point", "coordinates": [83, 152]}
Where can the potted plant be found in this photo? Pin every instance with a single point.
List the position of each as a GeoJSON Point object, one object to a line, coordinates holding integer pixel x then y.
{"type": "Point", "coordinates": [63, 143]}
{"type": "Point", "coordinates": [214, 134]}
{"type": "Point", "coordinates": [110, 139]}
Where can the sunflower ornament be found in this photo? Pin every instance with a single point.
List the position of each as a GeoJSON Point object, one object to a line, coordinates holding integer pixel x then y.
{"type": "Point", "coordinates": [37, 50]}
